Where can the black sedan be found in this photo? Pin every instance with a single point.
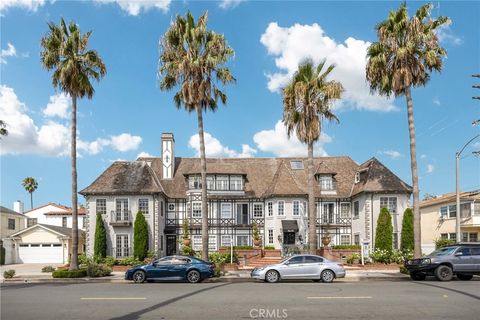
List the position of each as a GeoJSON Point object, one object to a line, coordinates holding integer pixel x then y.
{"type": "Point", "coordinates": [177, 268]}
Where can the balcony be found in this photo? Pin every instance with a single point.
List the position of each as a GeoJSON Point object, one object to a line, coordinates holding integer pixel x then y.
{"type": "Point", "coordinates": [213, 222]}
{"type": "Point", "coordinates": [121, 218]}
{"type": "Point", "coordinates": [337, 220]}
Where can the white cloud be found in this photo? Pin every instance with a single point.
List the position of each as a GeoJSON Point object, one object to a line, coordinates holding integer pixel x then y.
{"type": "Point", "coordinates": [291, 45]}
{"type": "Point", "coordinates": [436, 101]}
{"type": "Point", "coordinates": [135, 7]}
{"type": "Point", "coordinates": [430, 168]}
{"type": "Point", "coordinates": [423, 156]}
{"type": "Point", "coordinates": [58, 106]}
{"type": "Point", "coordinates": [446, 35]}
{"type": "Point", "coordinates": [9, 52]}
{"type": "Point", "coordinates": [215, 149]}
{"type": "Point", "coordinates": [51, 138]}
{"type": "Point", "coordinates": [31, 5]}
{"type": "Point", "coordinates": [229, 4]}
{"type": "Point", "coordinates": [125, 142]}
{"type": "Point", "coordinates": [391, 153]}
{"type": "Point", "coordinates": [276, 141]}
{"type": "Point", "coordinates": [144, 154]}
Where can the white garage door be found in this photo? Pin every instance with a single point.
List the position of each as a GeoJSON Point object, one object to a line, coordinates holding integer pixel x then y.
{"type": "Point", "coordinates": [40, 253]}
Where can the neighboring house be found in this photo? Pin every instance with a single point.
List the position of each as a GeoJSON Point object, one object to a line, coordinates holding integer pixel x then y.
{"type": "Point", "coordinates": [11, 222]}
{"type": "Point", "coordinates": [439, 218]}
{"type": "Point", "coordinates": [55, 215]}
{"type": "Point", "coordinates": [271, 192]}
{"type": "Point", "coordinates": [41, 243]}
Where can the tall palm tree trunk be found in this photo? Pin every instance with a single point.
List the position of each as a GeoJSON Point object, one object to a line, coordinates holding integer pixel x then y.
{"type": "Point", "coordinates": [417, 234]}
{"type": "Point", "coordinates": [74, 257]}
{"type": "Point", "coordinates": [312, 213]}
{"type": "Point", "coordinates": [203, 164]}
{"type": "Point", "coordinates": [31, 200]}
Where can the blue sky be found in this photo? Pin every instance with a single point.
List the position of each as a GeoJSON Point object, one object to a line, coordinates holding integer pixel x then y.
{"type": "Point", "coordinates": [128, 112]}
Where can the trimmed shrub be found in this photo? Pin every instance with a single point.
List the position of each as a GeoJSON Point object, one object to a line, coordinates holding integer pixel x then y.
{"type": "Point", "coordinates": [407, 241]}
{"type": "Point", "coordinates": [222, 258]}
{"type": "Point", "coordinates": [83, 259]}
{"type": "Point", "coordinates": [109, 261]}
{"type": "Point", "coordinates": [354, 257]}
{"type": "Point", "coordinates": [130, 261]}
{"type": "Point", "coordinates": [269, 248]}
{"type": "Point", "coordinates": [100, 245]}
{"type": "Point", "coordinates": [80, 273]}
{"type": "Point", "coordinates": [404, 270]}
{"type": "Point", "coordinates": [9, 274]}
{"type": "Point", "coordinates": [440, 243]}
{"type": "Point", "coordinates": [98, 270]}
{"type": "Point", "coordinates": [140, 237]}
{"type": "Point", "coordinates": [48, 269]}
{"type": "Point", "coordinates": [347, 246]}
{"type": "Point", "coordinates": [384, 231]}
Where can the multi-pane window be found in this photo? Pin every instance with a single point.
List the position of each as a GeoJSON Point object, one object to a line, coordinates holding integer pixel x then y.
{"type": "Point", "coordinates": [11, 224]}
{"type": "Point", "coordinates": [453, 236]}
{"type": "Point", "coordinates": [270, 209]}
{"type": "Point", "coordinates": [465, 210]}
{"type": "Point", "coordinates": [101, 206]}
{"type": "Point", "coordinates": [448, 211]}
{"type": "Point", "coordinates": [64, 222]}
{"type": "Point", "coordinates": [222, 183]}
{"type": "Point", "coordinates": [31, 222]}
{"type": "Point", "coordinates": [194, 182]}
{"type": "Point", "coordinates": [444, 212]}
{"type": "Point", "coordinates": [296, 208]}
{"type": "Point", "coordinates": [344, 239]}
{"type": "Point", "coordinates": [143, 205]}
{"type": "Point", "coordinates": [226, 240]}
{"type": "Point", "coordinates": [281, 208]}
{"type": "Point", "coordinates": [242, 240]}
{"type": "Point", "coordinates": [196, 210]}
{"type": "Point", "coordinates": [326, 182]}
{"type": "Point", "coordinates": [464, 236]}
{"type": "Point", "coordinates": [236, 183]}
{"type": "Point", "coordinates": [226, 211]}
{"type": "Point", "coordinates": [473, 237]}
{"type": "Point", "coordinates": [356, 239]}
{"type": "Point", "coordinates": [197, 242]}
{"type": "Point", "coordinates": [257, 210]}
{"type": "Point", "coordinates": [390, 203]}
{"type": "Point", "coordinates": [444, 236]}
{"type": "Point", "coordinates": [122, 247]}
{"type": "Point", "coordinates": [212, 242]}
{"type": "Point", "coordinates": [210, 182]}
{"type": "Point", "coordinates": [121, 206]}
{"type": "Point", "coordinates": [356, 210]}
{"type": "Point", "coordinates": [345, 210]}
{"type": "Point", "coordinates": [270, 236]}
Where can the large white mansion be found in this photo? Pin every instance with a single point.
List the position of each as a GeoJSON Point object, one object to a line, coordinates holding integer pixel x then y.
{"type": "Point", "coordinates": [271, 192]}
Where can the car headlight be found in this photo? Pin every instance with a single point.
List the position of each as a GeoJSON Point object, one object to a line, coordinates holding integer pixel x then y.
{"type": "Point", "coordinates": [426, 261]}
{"type": "Point", "coordinates": [259, 268]}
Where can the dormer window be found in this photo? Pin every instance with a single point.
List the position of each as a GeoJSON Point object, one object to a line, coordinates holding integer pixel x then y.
{"type": "Point", "coordinates": [194, 182]}
{"type": "Point", "coordinates": [296, 164]}
{"type": "Point", "coordinates": [217, 182]}
{"type": "Point", "coordinates": [326, 182]}
{"type": "Point", "coordinates": [357, 177]}
{"type": "Point", "coordinates": [236, 183]}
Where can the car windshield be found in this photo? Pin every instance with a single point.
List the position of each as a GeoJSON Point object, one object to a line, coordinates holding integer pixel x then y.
{"type": "Point", "coordinates": [443, 252]}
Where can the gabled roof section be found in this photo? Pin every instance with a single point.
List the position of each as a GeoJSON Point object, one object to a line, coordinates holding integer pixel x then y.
{"type": "Point", "coordinates": [284, 183]}
{"type": "Point", "coordinates": [57, 205]}
{"type": "Point", "coordinates": [60, 231]}
{"type": "Point", "coordinates": [378, 178]}
{"type": "Point", "coordinates": [125, 177]}
{"type": "Point", "coordinates": [10, 211]}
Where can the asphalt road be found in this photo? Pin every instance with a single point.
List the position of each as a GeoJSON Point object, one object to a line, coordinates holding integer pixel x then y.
{"type": "Point", "coordinates": [246, 300]}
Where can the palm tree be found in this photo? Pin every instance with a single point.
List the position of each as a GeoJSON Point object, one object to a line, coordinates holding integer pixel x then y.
{"type": "Point", "coordinates": [192, 58]}
{"type": "Point", "coordinates": [65, 50]}
{"type": "Point", "coordinates": [406, 51]}
{"type": "Point", "coordinates": [306, 102]}
{"type": "Point", "coordinates": [30, 185]}
{"type": "Point", "coordinates": [3, 128]}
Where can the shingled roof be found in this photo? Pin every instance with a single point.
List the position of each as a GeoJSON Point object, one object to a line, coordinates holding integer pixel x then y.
{"type": "Point", "coordinates": [265, 177]}
{"type": "Point", "coordinates": [378, 178]}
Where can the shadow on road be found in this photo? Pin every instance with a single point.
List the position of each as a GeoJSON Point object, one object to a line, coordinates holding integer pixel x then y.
{"type": "Point", "coordinates": [137, 314]}
{"type": "Point", "coordinates": [449, 289]}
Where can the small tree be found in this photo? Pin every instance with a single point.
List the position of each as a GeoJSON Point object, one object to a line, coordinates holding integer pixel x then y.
{"type": "Point", "coordinates": [140, 237]}
{"type": "Point", "coordinates": [384, 232]}
{"type": "Point", "coordinates": [100, 246]}
{"type": "Point", "coordinates": [407, 241]}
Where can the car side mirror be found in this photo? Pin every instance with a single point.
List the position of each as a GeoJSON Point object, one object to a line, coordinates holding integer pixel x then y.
{"type": "Point", "coordinates": [458, 254]}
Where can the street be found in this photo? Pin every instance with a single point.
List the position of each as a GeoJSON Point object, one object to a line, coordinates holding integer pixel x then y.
{"type": "Point", "coordinates": [244, 300]}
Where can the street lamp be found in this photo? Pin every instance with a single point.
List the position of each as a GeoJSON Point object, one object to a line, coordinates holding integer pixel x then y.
{"type": "Point", "coordinates": [457, 179]}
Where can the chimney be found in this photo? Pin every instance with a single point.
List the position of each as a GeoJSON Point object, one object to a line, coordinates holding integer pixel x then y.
{"type": "Point", "coordinates": [168, 155]}
{"type": "Point", "coordinates": [18, 206]}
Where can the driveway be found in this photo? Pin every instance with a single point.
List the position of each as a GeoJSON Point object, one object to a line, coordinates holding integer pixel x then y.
{"type": "Point", "coordinates": [30, 269]}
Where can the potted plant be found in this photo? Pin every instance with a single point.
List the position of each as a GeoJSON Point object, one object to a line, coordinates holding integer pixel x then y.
{"type": "Point", "coordinates": [256, 235]}
{"type": "Point", "coordinates": [186, 233]}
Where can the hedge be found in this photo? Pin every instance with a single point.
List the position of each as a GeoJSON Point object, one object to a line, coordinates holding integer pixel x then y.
{"type": "Point", "coordinates": [407, 241]}
{"type": "Point", "coordinates": [140, 237]}
{"type": "Point", "coordinates": [80, 273]}
{"type": "Point", "coordinates": [100, 245]}
{"type": "Point", "coordinates": [347, 246]}
{"type": "Point", "coordinates": [384, 231]}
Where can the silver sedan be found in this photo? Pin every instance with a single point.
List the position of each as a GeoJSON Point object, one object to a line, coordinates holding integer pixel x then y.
{"type": "Point", "coordinates": [311, 267]}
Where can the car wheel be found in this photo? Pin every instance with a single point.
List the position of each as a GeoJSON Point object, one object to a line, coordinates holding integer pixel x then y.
{"type": "Point", "coordinates": [417, 276]}
{"type": "Point", "coordinates": [272, 276]}
{"type": "Point", "coordinates": [464, 276]}
{"type": "Point", "coordinates": [139, 276]}
{"type": "Point", "coordinates": [193, 276]}
{"type": "Point", "coordinates": [327, 276]}
{"type": "Point", "coordinates": [444, 273]}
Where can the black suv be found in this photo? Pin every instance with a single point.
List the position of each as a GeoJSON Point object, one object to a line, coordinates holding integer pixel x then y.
{"type": "Point", "coordinates": [462, 260]}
